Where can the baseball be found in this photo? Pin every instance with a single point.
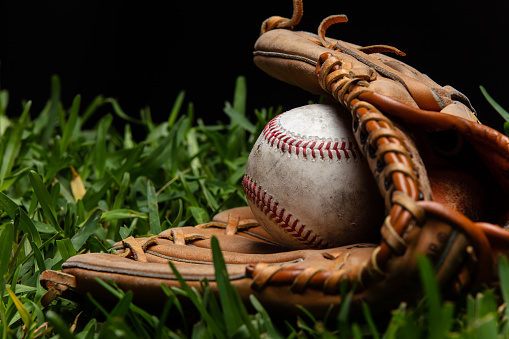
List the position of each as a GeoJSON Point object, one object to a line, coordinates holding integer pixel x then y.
{"type": "Point", "coordinates": [308, 184]}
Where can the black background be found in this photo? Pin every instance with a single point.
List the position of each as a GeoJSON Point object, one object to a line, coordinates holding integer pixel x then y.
{"type": "Point", "coordinates": [144, 53]}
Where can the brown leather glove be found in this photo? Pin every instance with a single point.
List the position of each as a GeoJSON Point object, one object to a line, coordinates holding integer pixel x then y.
{"type": "Point", "coordinates": [444, 177]}
{"type": "Point", "coordinates": [278, 277]}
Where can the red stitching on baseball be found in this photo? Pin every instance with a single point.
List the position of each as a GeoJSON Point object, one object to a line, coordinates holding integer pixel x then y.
{"type": "Point", "coordinates": [287, 222]}
{"type": "Point", "coordinates": [343, 144]}
{"type": "Point", "coordinates": [324, 149]}
{"type": "Point", "coordinates": [297, 147]}
{"type": "Point", "coordinates": [350, 148]}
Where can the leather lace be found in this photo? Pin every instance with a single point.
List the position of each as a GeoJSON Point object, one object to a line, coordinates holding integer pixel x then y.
{"type": "Point", "coordinates": [398, 177]}
{"type": "Point", "coordinates": [137, 248]}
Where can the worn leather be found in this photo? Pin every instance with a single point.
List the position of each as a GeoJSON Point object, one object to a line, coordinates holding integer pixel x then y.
{"type": "Point", "coordinates": [243, 251]}
{"type": "Point", "coordinates": [292, 56]}
{"type": "Point", "coordinates": [443, 175]}
{"type": "Point", "coordinates": [402, 92]}
{"type": "Point", "coordinates": [279, 278]}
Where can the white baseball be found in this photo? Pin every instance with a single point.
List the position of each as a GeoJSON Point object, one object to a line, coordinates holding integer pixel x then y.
{"type": "Point", "coordinates": [308, 184]}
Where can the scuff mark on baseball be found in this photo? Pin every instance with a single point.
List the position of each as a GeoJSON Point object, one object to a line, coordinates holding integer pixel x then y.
{"type": "Point", "coordinates": [308, 184]}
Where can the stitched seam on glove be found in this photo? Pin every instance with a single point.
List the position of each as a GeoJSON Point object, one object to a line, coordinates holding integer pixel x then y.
{"type": "Point", "coordinates": [131, 272]}
{"type": "Point", "coordinates": [285, 56]}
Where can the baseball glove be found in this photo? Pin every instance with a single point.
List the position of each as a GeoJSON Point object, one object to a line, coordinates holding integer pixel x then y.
{"type": "Point", "coordinates": [443, 175]}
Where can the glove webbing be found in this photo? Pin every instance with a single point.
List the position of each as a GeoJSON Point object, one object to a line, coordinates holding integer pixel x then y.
{"type": "Point", "coordinates": [376, 135]}
{"type": "Point", "coordinates": [136, 249]}
{"type": "Point", "coordinates": [395, 172]}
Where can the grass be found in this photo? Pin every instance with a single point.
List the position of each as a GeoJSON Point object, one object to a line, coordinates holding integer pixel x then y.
{"type": "Point", "coordinates": [68, 186]}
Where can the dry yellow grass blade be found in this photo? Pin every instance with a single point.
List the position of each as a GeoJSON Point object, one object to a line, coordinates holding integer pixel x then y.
{"type": "Point", "coordinates": [77, 186]}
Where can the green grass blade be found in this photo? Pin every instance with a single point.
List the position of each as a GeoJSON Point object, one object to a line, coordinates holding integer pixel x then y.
{"type": "Point", "coordinates": [44, 200]}
{"type": "Point", "coordinates": [133, 159]}
{"type": "Point", "coordinates": [447, 316]}
{"type": "Point", "coordinates": [8, 206]}
{"type": "Point", "coordinates": [199, 214]}
{"type": "Point", "coordinates": [80, 211]}
{"type": "Point", "coordinates": [92, 108]}
{"type": "Point", "coordinates": [174, 300]}
{"type": "Point", "coordinates": [232, 317]}
{"type": "Point", "coordinates": [95, 194]}
{"type": "Point", "coordinates": [503, 113]}
{"type": "Point", "coordinates": [54, 167]}
{"type": "Point", "coordinates": [113, 229]}
{"type": "Point", "coordinates": [55, 194]}
{"type": "Point", "coordinates": [240, 119]}
{"type": "Point", "coordinates": [397, 324]}
{"type": "Point", "coordinates": [122, 307]}
{"type": "Point", "coordinates": [267, 322]}
{"type": "Point", "coordinates": [118, 293]}
{"type": "Point", "coordinates": [23, 312]}
{"type": "Point", "coordinates": [65, 248]}
{"type": "Point", "coordinates": [25, 223]}
{"type": "Point", "coordinates": [200, 331]}
{"type": "Point", "coordinates": [86, 230]}
{"type": "Point", "coordinates": [122, 213]}
{"type": "Point", "coordinates": [116, 322]}
{"type": "Point", "coordinates": [69, 222]}
{"type": "Point", "coordinates": [15, 177]}
{"type": "Point", "coordinates": [178, 218]}
{"type": "Point", "coordinates": [153, 210]}
{"type": "Point", "coordinates": [210, 301]}
{"type": "Point", "coordinates": [439, 319]}
{"type": "Point", "coordinates": [165, 313]}
{"type": "Point", "coordinates": [97, 304]}
{"type": "Point", "coordinates": [487, 326]}
{"type": "Point", "coordinates": [235, 313]}
{"type": "Point", "coordinates": [53, 111]}
{"type": "Point", "coordinates": [71, 124]}
{"type": "Point", "coordinates": [146, 118]}
{"type": "Point", "coordinates": [162, 153]}
{"type": "Point", "coordinates": [344, 311]}
{"type": "Point", "coordinates": [240, 95]}
{"type": "Point", "coordinates": [193, 149]}
{"type": "Point", "coordinates": [356, 331]}
{"type": "Point", "coordinates": [187, 291]}
{"type": "Point", "coordinates": [128, 137]}
{"type": "Point", "coordinates": [89, 329]}
{"type": "Point", "coordinates": [100, 151]}
{"type": "Point", "coordinates": [39, 259]}
{"type": "Point", "coordinates": [13, 145]}
{"type": "Point", "coordinates": [59, 325]}
{"type": "Point", "coordinates": [4, 101]}
{"type": "Point", "coordinates": [6, 241]}
{"type": "Point", "coordinates": [95, 245]}
{"type": "Point", "coordinates": [36, 309]}
{"type": "Point", "coordinates": [177, 105]}
{"type": "Point", "coordinates": [433, 299]}
{"type": "Point", "coordinates": [486, 303]}
{"type": "Point", "coordinates": [503, 272]}
{"type": "Point", "coordinates": [120, 112]}
{"type": "Point", "coordinates": [369, 320]}
{"type": "Point", "coordinates": [308, 314]}
{"type": "Point", "coordinates": [190, 196]}
{"type": "Point", "coordinates": [196, 164]}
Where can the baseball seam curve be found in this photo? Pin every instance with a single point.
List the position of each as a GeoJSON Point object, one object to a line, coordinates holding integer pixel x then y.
{"type": "Point", "coordinates": [277, 137]}
{"type": "Point", "coordinates": [286, 221]}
